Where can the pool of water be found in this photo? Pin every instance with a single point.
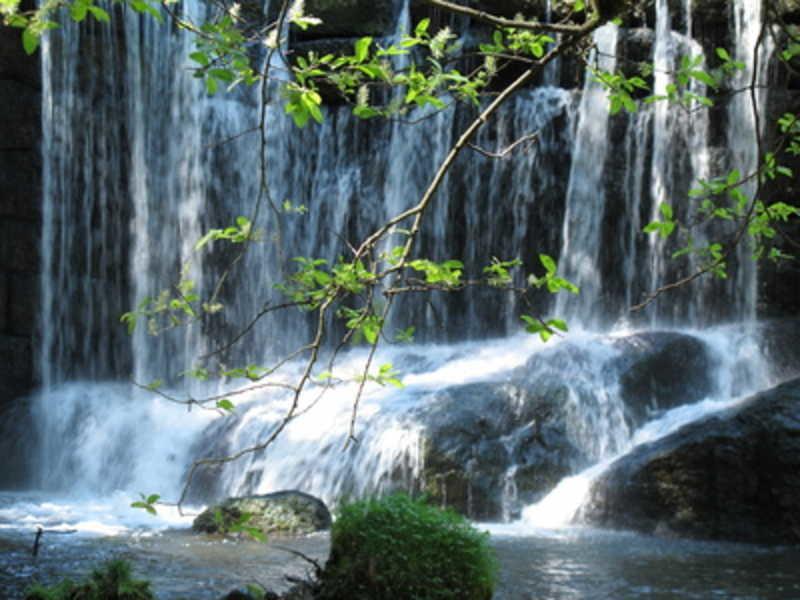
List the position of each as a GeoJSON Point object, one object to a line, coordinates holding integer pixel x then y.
{"type": "Point", "coordinates": [534, 564]}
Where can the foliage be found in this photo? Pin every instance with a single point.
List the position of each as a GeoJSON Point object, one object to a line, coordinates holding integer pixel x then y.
{"type": "Point", "coordinates": [398, 547]}
{"type": "Point", "coordinates": [114, 581]}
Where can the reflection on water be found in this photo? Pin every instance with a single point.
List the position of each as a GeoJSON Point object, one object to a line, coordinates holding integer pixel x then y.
{"type": "Point", "coordinates": [569, 563]}
{"type": "Point", "coordinates": [584, 563]}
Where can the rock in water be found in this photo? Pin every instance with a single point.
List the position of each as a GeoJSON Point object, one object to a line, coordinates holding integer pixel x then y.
{"type": "Point", "coordinates": [659, 370]}
{"type": "Point", "coordinates": [288, 512]}
{"type": "Point", "coordinates": [733, 476]}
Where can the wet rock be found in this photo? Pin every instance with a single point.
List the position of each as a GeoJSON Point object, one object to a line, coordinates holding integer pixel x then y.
{"type": "Point", "coordinates": [490, 448]}
{"type": "Point", "coordinates": [16, 366]}
{"type": "Point", "coordinates": [288, 512]}
{"type": "Point", "coordinates": [733, 476]}
{"type": "Point", "coordinates": [780, 343]}
{"type": "Point", "coordinates": [18, 436]}
{"type": "Point", "coordinates": [489, 443]}
{"type": "Point", "coordinates": [662, 370]}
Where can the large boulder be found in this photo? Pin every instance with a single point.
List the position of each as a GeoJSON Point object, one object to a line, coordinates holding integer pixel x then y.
{"type": "Point", "coordinates": [732, 476]}
{"type": "Point", "coordinates": [490, 448]}
{"type": "Point", "coordinates": [662, 370]}
{"type": "Point", "coordinates": [288, 512]}
{"type": "Point", "coordinates": [486, 445]}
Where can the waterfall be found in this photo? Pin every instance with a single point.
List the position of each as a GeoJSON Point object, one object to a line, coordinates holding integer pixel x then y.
{"type": "Point", "coordinates": [140, 162]}
{"type": "Point", "coordinates": [585, 202]}
{"type": "Point", "coordinates": [744, 124]}
{"type": "Point", "coordinates": [84, 232]}
{"type": "Point", "coordinates": [664, 114]}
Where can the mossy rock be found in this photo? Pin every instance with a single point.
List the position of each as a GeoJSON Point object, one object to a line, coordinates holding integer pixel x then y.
{"type": "Point", "coordinates": [399, 548]}
{"type": "Point", "coordinates": [287, 513]}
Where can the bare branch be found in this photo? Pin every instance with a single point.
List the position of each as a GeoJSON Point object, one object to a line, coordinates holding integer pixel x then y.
{"type": "Point", "coordinates": [506, 151]}
{"type": "Point", "coordinates": [490, 19]}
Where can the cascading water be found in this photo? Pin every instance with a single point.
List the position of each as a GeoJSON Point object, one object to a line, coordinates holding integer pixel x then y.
{"type": "Point", "coordinates": [160, 162]}
{"type": "Point", "coordinates": [585, 203]}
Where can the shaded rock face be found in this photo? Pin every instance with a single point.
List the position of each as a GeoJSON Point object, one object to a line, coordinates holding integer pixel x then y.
{"type": "Point", "coordinates": [779, 342]}
{"type": "Point", "coordinates": [734, 476]}
{"type": "Point", "coordinates": [662, 370]}
{"type": "Point", "coordinates": [350, 18]}
{"type": "Point", "coordinates": [20, 212]}
{"type": "Point", "coordinates": [491, 448]}
{"type": "Point", "coordinates": [289, 512]}
{"type": "Point", "coordinates": [478, 437]}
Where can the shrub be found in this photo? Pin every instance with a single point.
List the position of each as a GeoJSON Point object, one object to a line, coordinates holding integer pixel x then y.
{"type": "Point", "coordinates": [402, 548]}
{"type": "Point", "coordinates": [112, 582]}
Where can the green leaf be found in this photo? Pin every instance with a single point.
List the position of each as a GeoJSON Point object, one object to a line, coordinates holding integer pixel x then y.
{"type": "Point", "coordinates": [226, 404]}
{"type": "Point", "coordinates": [362, 48]}
{"type": "Point", "coordinates": [652, 227]}
{"type": "Point", "coordinates": [78, 10]}
{"type": "Point", "coordinates": [548, 263]}
{"type": "Point", "coordinates": [704, 77]}
{"type": "Point", "coordinates": [30, 40]}
{"type": "Point", "coordinates": [99, 14]}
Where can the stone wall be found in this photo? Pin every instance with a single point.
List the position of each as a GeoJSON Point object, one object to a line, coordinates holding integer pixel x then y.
{"type": "Point", "coordinates": [20, 212]}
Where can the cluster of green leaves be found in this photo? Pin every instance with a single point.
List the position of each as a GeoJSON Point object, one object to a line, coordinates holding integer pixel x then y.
{"type": "Point", "coordinates": [397, 547]}
{"type": "Point", "coordinates": [114, 581]}
{"type": "Point", "coordinates": [35, 23]}
{"type": "Point", "coordinates": [222, 55]}
{"type": "Point", "coordinates": [239, 233]}
{"type": "Point", "coordinates": [424, 79]}
{"type": "Point", "coordinates": [624, 89]}
{"type": "Point", "coordinates": [544, 329]}
{"type": "Point", "coordinates": [551, 280]}
{"type": "Point", "coordinates": [691, 69]}
{"type": "Point", "coordinates": [510, 41]}
{"type": "Point", "coordinates": [315, 281]}
{"type": "Point", "coordinates": [665, 225]}
{"type": "Point", "coordinates": [172, 308]}
{"type": "Point", "coordinates": [386, 375]}
{"type": "Point", "coordinates": [498, 273]}
{"type": "Point", "coordinates": [621, 89]}
{"type": "Point", "coordinates": [147, 503]}
{"type": "Point", "coordinates": [447, 273]}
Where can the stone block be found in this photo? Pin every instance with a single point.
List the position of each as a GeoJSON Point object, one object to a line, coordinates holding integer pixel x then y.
{"type": "Point", "coordinates": [16, 366]}
{"type": "Point", "coordinates": [19, 246]}
{"type": "Point", "coordinates": [20, 184]}
{"type": "Point", "coordinates": [20, 123]}
{"type": "Point", "coordinates": [3, 303]}
{"type": "Point", "coordinates": [14, 63]}
{"type": "Point", "coordinates": [23, 304]}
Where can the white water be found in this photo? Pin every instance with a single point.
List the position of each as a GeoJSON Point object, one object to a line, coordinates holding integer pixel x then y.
{"type": "Point", "coordinates": [106, 438]}
{"type": "Point", "coordinates": [585, 201]}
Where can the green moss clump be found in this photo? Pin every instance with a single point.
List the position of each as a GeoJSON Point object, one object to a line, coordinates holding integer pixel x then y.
{"type": "Point", "coordinates": [112, 582]}
{"type": "Point", "coordinates": [398, 547]}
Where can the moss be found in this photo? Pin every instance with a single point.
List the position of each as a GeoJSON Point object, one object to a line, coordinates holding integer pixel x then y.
{"type": "Point", "coordinates": [403, 548]}
{"type": "Point", "coordinates": [282, 512]}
